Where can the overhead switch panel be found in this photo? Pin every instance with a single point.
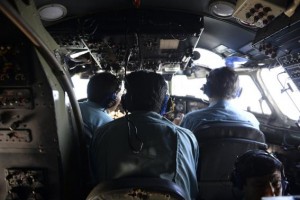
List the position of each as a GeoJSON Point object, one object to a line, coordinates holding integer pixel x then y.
{"type": "Point", "coordinates": [258, 12]}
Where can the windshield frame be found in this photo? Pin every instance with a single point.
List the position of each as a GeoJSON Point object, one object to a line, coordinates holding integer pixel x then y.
{"type": "Point", "coordinates": [278, 118]}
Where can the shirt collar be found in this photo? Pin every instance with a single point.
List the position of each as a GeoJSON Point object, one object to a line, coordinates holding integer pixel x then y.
{"type": "Point", "coordinates": [224, 102]}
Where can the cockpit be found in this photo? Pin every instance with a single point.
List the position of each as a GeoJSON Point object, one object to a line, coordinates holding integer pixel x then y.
{"type": "Point", "coordinates": [50, 49]}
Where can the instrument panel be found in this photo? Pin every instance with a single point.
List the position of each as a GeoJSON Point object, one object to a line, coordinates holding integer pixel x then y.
{"type": "Point", "coordinates": [291, 64]}
{"type": "Point", "coordinates": [137, 39]}
{"type": "Point", "coordinates": [184, 104]}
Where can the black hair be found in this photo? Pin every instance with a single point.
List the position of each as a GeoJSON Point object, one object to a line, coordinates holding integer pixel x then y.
{"type": "Point", "coordinates": [146, 91]}
{"type": "Point", "coordinates": [102, 86]}
{"type": "Point", "coordinates": [223, 83]}
{"type": "Point", "coordinates": [255, 163]}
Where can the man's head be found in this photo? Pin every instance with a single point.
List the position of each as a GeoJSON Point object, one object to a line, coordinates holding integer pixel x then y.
{"type": "Point", "coordinates": [257, 174]}
{"type": "Point", "coordinates": [222, 83]}
{"type": "Point", "coordinates": [103, 89]}
{"type": "Point", "coordinates": [146, 91]}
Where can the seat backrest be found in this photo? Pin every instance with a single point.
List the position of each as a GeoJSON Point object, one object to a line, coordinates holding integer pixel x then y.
{"type": "Point", "coordinates": [220, 144]}
{"type": "Point", "coordinates": [137, 188]}
{"type": "Point", "coordinates": [228, 130]}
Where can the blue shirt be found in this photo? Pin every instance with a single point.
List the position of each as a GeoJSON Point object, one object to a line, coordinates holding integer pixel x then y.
{"type": "Point", "coordinates": [169, 151]}
{"type": "Point", "coordinates": [219, 111]}
{"type": "Point", "coordinates": [93, 116]}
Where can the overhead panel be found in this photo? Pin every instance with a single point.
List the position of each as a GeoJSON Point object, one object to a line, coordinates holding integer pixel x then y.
{"type": "Point", "coordinates": [135, 38]}
{"type": "Point", "coordinates": [258, 12]}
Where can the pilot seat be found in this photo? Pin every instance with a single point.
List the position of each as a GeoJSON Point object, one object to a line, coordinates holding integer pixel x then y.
{"type": "Point", "coordinates": [220, 144]}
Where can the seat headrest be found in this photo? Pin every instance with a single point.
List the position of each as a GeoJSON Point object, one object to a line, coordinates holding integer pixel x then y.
{"type": "Point", "coordinates": [154, 188]}
{"type": "Point", "coordinates": [228, 130]}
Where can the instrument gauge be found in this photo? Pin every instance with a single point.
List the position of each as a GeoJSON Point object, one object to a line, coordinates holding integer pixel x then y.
{"type": "Point", "coordinates": [179, 107]}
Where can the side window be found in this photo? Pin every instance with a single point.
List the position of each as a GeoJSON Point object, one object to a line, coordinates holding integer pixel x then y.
{"type": "Point", "coordinates": [283, 91]}
{"type": "Point", "coordinates": [251, 98]}
{"type": "Point", "coordinates": [80, 86]}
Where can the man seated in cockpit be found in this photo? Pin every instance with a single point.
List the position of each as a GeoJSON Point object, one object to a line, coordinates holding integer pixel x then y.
{"type": "Point", "coordinates": [221, 87]}
{"type": "Point", "coordinates": [103, 94]}
{"type": "Point", "coordinates": [144, 143]}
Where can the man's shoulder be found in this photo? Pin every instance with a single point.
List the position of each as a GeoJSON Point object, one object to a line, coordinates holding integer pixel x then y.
{"type": "Point", "coordinates": [196, 114]}
{"type": "Point", "coordinates": [253, 120]}
{"type": "Point", "coordinates": [113, 123]}
{"type": "Point", "coordinates": [181, 130]}
{"type": "Point", "coordinates": [86, 107]}
{"type": "Point", "coordinates": [186, 136]}
{"type": "Point", "coordinates": [246, 114]}
{"type": "Point", "coordinates": [82, 104]}
{"type": "Point", "coordinates": [249, 113]}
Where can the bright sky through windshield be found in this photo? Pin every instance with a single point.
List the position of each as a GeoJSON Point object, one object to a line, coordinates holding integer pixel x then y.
{"type": "Point", "coordinates": [209, 59]}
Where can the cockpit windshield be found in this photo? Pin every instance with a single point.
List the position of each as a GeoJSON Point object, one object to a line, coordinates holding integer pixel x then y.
{"type": "Point", "coordinates": [275, 89]}
{"type": "Point", "coordinates": [250, 98]}
{"type": "Point", "coordinates": [282, 90]}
